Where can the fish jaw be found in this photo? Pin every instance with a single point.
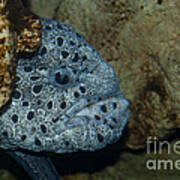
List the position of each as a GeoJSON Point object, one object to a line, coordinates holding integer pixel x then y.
{"type": "Point", "coordinates": [95, 125]}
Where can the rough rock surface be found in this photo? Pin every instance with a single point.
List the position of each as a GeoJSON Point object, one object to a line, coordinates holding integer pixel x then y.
{"type": "Point", "coordinates": [148, 68]}
{"type": "Point", "coordinates": [44, 8]}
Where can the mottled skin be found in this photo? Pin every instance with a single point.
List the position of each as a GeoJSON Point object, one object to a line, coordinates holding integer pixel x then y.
{"type": "Point", "coordinates": [66, 98]}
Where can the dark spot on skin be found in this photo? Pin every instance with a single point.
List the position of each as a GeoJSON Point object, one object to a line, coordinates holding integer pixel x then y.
{"type": "Point", "coordinates": [105, 121]}
{"type": "Point", "coordinates": [82, 89]}
{"type": "Point", "coordinates": [61, 80]}
{"type": "Point", "coordinates": [39, 102]}
{"type": "Point", "coordinates": [25, 103]}
{"type": "Point", "coordinates": [37, 88]}
{"type": "Point", "coordinates": [99, 99]}
{"type": "Point", "coordinates": [59, 26]}
{"type": "Point", "coordinates": [16, 94]}
{"type": "Point", "coordinates": [35, 78]}
{"type": "Point", "coordinates": [78, 35]}
{"type": "Point", "coordinates": [37, 142]}
{"type": "Point", "coordinates": [43, 68]}
{"type": "Point", "coordinates": [74, 71]}
{"type": "Point", "coordinates": [72, 43]}
{"type": "Point", "coordinates": [85, 69]}
{"type": "Point", "coordinates": [63, 105]}
{"type": "Point", "coordinates": [5, 134]}
{"type": "Point", "coordinates": [14, 118]}
{"type": "Point", "coordinates": [30, 115]}
{"type": "Point", "coordinates": [114, 119]}
{"type": "Point", "coordinates": [84, 58]}
{"type": "Point", "coordinates": [60, 41]}
{"type": "Point", "coordinates": [97, 117]}
{"type": "Point", "coordinates": [65, 54]}
{"type": "Point", "coordinates": [100, 137]}
{"type": "Point", "coordinates": [76, 57]}
{"type": "Point", "coordinates": [27, 68]}
{"type": "Point", "coordinates": [114, 105]}
{"type": "Point", "coordinates": [17, 79]}
{"type": "Point", "coordinates": [23, 137]}
{"type": "Point", "coordinates": [76, 94]}
{"type": "Point", "coordinates": [66, 143]}
{"type": "Point", "coordinates": [111, 126]}
{"type": "Point", "coordinates": [49, 105]}
{"type": "Point", "coordinates": [104, 108]}
{"type": "Point", "coordinates": [43, 51]}
{"type": "Point", "coordinates": [54, 120]}
{"type": "Point", "coordinates": [48, 27]}
{"type": "Point", "coordinates": [43, 128]}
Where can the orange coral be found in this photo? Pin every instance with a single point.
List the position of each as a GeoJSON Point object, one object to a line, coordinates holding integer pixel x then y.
{"type": "Point", "coordinates": [20, 32]}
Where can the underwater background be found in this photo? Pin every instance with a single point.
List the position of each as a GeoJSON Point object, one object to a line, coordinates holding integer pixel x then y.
{"type": "Point", "coordinates": [140, 39]}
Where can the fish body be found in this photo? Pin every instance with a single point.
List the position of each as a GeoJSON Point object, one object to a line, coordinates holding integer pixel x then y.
{"type": "Point", "coordinates": [65, 98]}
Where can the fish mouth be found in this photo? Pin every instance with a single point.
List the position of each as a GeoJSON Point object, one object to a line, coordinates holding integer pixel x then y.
{"type": "Point", "coordinates": [93, 125]}
{"type": "Point", "coordinates": [95, 111]}
{"type": "Point", "coordinates": [105, 107]}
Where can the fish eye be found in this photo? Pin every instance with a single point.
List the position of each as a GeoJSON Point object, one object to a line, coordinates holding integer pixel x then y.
{"type": "Point", "coordinates": [62, 77]}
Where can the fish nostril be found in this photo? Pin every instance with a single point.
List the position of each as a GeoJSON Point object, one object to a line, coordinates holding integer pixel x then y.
{"type": "Point", "coordinates": [61, 79]}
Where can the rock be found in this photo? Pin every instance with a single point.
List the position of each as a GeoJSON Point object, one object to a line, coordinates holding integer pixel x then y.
{"type": "Point", "coordinates": [148, 68]}
{"type": "Point", "coordinates": [44, 8]}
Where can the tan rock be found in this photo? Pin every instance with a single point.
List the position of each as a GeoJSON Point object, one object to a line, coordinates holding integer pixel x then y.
{"type": "Point", "coordinates": [44, 8]}
{"type": "Point", "coordinates": [149, 71]}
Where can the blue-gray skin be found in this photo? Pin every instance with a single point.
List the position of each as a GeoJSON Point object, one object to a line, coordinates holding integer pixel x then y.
{"type": "Point", "coordinates": [66, 98]}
